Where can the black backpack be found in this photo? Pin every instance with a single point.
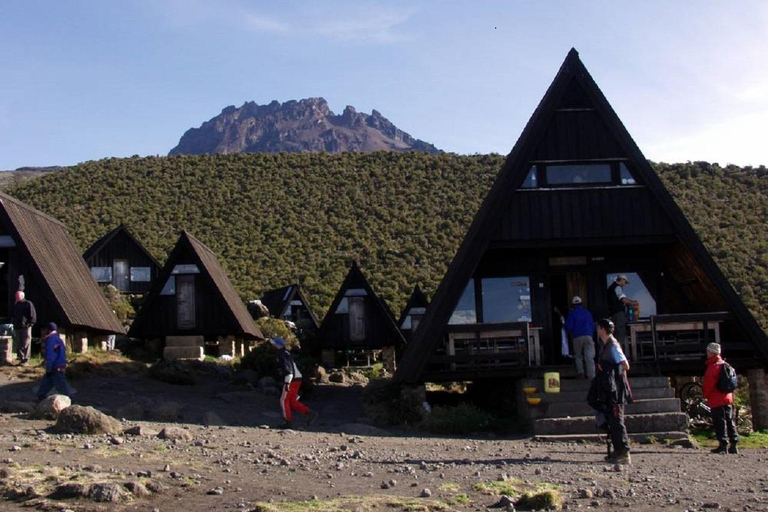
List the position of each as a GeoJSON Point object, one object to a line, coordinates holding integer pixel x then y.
{"type": "Point", "coordinates": [728, 381]}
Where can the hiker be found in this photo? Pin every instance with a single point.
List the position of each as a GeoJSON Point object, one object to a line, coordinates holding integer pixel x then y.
{"type": "Point", "coordinates": [612, 368]}
{"type": "Point", "coordinates": [23, 316]}
{"type": "Point", "coordinates": [289, 399]}
{"type": "Point", "coordinates": [720, 403]}
{"type": "Point", "coordinates": [55, 354]}
{"type": "Point", "coordinates": [617, 301]}
{"type": "Point", "coordinates": [580, 325]}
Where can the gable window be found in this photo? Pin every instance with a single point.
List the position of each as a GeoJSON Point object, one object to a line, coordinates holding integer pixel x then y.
{"type": "Point", "coordinates": [466, 311]}
{"type": "Point", "coordinates": [506, 299]}
{"type": "Point", "coordinates": [578, 174]}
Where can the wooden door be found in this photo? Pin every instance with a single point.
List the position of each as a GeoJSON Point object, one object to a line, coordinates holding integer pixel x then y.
{"type": "Point", "coordinates": [577, 285]}
{"type": "Point", "coordinates": [185, 301]}
{"type": "Point", "coordinates": [356, 318]}
{"type": "Point", "coordinates": [120, 275]}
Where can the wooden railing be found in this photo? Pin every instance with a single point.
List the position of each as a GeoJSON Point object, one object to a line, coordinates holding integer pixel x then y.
{"type": "Point", "coordinates": [674, 337]}
{"type": "Point", "coordinates": [477, 348]}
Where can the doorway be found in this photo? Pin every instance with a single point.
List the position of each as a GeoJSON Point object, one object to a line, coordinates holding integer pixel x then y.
{"type": "Point", "coordinates": [185, 301]}
{"type": "Point", "coordinates": [563, 286]}
{"type": "Point", "coordinates": [120, 272]}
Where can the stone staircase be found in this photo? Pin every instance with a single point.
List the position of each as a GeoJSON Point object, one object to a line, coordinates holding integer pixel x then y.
{"type": "Point", "coordinates": [566, 416]}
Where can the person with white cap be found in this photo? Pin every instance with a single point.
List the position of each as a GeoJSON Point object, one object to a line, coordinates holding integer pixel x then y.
{"type": "Point", "coordinates": [23, 316]}
{"type": "Point", "coordinates": [617, 301]}
{"type": "Point", "coordinates": [581, 326]}
{"type": "Point", "coordinates": [720, 403]}
{"type": "Point", "coordinates": [289, 399]}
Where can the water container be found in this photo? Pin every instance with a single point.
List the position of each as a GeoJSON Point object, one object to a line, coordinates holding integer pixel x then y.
{"type": "Point", "coordinates": [552, 382]}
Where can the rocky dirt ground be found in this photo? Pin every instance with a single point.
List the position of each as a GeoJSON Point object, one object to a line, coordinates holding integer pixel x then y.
{"type": "Point", "coordinates": [341, 463]}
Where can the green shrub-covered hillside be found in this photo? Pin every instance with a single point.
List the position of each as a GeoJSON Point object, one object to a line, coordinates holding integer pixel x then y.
{"type": "Point", "coordinates": [274, 219]}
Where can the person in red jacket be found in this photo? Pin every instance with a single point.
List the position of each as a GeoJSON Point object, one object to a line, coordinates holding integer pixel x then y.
{"type": "Point", "coordinates": [721, 404]}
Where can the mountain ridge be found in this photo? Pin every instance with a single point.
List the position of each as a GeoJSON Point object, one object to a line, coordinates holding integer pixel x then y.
{"type": "Point", "coordinates": [306, 125]}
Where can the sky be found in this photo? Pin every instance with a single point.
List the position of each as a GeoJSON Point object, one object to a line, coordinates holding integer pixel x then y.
{"type": "Point", "coordinates": [90, 79]}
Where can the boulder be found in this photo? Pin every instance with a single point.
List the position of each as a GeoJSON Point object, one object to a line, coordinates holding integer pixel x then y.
{"type": "Point", "coordinates": [52, 406]}
{"type": "Point", "coordinates": [175, 433]}
{"type": "Point", "coordinates": [321, 375]}
{"type": "Point", "coordinates": [107, 492]}
{"type": "Point", "coordinates": [337, 377]}
{"type": "Point", "coordinates": [78, 419]}
{"type": "Point", "coordinates": [266, 382]}
{"type": "Point", "coordinates": [141, 431]}
{"type": "Point", "coordinates": [247, 376]}
{"type": "Point", "coordinates": [18, 407]}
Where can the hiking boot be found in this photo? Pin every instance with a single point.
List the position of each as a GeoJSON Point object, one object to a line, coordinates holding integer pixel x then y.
{"type": "Point", "coordinates": [721, 448]}
{"type": "Point", "coordinates": [311, 417]}
{"type": "Point", "coordinates": [285, 425]}
{"type": "Point", "coordinates": [620, 457]}
{"type": "Point", "coordinates": [733, 448]}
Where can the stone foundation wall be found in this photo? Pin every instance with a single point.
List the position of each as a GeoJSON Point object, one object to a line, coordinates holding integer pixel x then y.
{"type": "Point", "coordinates": [758, 398]}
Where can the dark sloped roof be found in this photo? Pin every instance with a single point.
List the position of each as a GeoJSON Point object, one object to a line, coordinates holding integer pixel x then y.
{"type": "Point", "coordinates": [242, 320]}
{"type": "Point", "coordinates": [511, 177]}
{"type": "Point", "coordinates": [71, 288]}
{"type": "Point", "coordinates": [104, 240]}
{"type": "Point", "coordinates": [356, 279]}
{"type": "Point", "coordinates": [417, 300]}
{"type": "Point", "coordinates": [277, 301]}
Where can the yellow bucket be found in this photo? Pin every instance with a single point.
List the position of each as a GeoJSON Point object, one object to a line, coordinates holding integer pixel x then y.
{"type": "Point", "coordinates": [552, 382]}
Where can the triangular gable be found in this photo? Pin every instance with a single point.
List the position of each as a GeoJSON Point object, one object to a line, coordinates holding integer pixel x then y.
{"type": "Point", "coordinates": [102, 242]}
{"type": "Point", "coordinates": [417, 300]}
{"type": "Point", "coordinates": [279, 300]}
{"type": "Point", "coordinates": [59, 268]}
{"type": "Point", "coordinates": [355, 279]}
{"type": "Point", "coordinates": [572, 89]}
{"type": "Point", "coordinates": [240, 321]}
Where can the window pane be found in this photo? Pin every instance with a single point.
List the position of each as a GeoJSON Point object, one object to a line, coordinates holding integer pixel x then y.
{"type": "Point", "coordinates": [576, 174]}
{"type": "Point", "coordinates": [625, 175]}
{"type": "Point", "coordinates": [636, 290]}
{"type": "Point", "coordinates": [465, 311]}
{"type": "Point", "coordinates": [507, 299]}
{"type": "Point", "coordinates": [140, 274]}
{"type": "Point", "coordinates": [102, 274]}
{"type": "Point", "coordinates": [531, 179]}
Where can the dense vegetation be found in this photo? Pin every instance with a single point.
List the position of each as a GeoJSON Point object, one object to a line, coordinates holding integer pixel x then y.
{"type": "Point", "coordinates": [274, 219]}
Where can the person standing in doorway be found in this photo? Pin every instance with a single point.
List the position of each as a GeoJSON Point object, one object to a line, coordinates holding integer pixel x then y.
{"type": "Point", "coordinates": [617, 302]}
{"type": "Point", "coordinates": [289, 399]}
{"type": "Point", "coordinates": [23, 316]}
{"type": "Point", "coordinates": [612, 366]}
{"type": "Point", "coordinates": [720, 403]}
{"type": "Point", "coordinates": [581, 326]}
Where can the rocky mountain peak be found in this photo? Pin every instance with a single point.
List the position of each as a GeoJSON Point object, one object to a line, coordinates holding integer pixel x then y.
{"type": "Point", "coordinates": [306, 125]}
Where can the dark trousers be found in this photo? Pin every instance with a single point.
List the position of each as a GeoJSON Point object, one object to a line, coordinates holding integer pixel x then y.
{"type": "Point", "coordinates": [618, 429]}
{"type": "Point", "coordinates": [54, 379]}
{"type": "Point", "coordinates": [725, 428]}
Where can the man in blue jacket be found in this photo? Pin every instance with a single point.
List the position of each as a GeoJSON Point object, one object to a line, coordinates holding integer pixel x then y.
{"type": "Point", "coordinates": [580, 325]}
{"type": "Point", "coordinates": [55, 354]}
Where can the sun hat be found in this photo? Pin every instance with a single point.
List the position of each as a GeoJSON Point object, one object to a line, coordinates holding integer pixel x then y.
{"type": "Point", "coordinates": [622, 277]}
{"type": "Point", "coordinates": [51, 326]}
{"type": "Point", "coordinates": [576, 300]}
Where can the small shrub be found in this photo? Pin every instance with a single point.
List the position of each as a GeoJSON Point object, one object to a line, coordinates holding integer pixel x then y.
{"type": "Point", "coordinates": [461, 419]}
{"type": "Point", "coordinates": [544, 500]}
{"type": "Point", "coordinates": [272, 328]}
{"type": "Point", "coordinates": [389, 404]}
{"type": "Point", "coordinates": [120, 304]}
{"type": "Point", "coordinates": [262, 359]}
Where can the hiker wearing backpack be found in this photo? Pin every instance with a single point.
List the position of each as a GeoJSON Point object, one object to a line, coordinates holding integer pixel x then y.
{"type": "Point", "coordinates": [720, 400]}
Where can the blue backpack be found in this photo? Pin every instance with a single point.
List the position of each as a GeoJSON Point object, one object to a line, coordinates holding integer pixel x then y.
{"type": "Point", "coordinates": [728, 381]}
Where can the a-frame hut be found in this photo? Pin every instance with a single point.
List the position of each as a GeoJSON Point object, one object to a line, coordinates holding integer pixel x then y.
{"type": "Point", "coordinates": [38, 256]}
{"type": "Point", "coordinates": [289, 303]}
{"type": "Point", "coordinates": [193, 302]}
{"type": "Point", "coordinates": [359, 327]}
{"type": "Point", "coordinates": [412, 313]}
{"type": "Point", "coordinates": [119, 259]}
{"type": "Point", "coordinates": [576, 204]}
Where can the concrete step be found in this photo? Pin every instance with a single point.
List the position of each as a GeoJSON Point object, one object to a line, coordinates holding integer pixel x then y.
{"type": "Point", "coordinates": [636, 423]}
{"type": "Point", "coordinates": [637, 437]}
{"type": "Point", "coordinates": [581, 396]}
{"type": "Point", "coordinates": [567, 385]}
{"type": "Point", "coordinates": [184, 341]}
{"type": "Point", "coordinates": [573, 409]}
